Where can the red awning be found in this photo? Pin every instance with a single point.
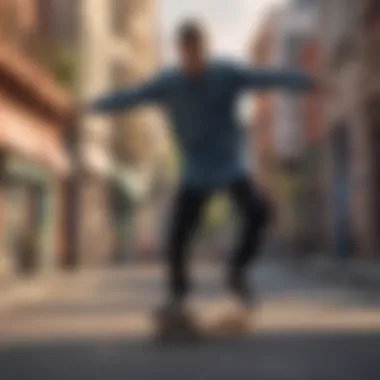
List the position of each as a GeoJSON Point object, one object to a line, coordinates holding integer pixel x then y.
{"type": "Point", "coordinates": [28, 74]}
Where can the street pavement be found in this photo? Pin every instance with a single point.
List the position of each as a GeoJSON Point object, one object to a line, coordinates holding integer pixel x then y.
{"type": "Point", "coordinates": [97, 325]}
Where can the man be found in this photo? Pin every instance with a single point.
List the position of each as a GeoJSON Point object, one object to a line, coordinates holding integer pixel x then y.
{"type": "Point", "coordinates": [199, 97]}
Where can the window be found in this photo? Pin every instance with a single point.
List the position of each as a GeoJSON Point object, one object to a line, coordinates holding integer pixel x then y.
{"type": "Point", "coordinates": [10, 21]}
{"type": "Point", "coordinates": [44, 16]}
{"type": "Point", "coordinates": [118, 17]}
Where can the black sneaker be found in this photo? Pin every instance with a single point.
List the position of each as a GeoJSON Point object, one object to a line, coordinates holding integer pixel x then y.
{"type": "Point", "coordinates": [240, 288]}
{"type": "Point", "coordinates": [174, 324]}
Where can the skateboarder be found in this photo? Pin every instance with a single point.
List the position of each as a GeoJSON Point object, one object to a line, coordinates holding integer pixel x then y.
{"type": "Point", "coordinates": [199, 97]}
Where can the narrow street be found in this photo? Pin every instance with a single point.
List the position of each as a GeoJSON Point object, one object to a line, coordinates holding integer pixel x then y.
{"type": "Point", "coordinates": [97, 325]}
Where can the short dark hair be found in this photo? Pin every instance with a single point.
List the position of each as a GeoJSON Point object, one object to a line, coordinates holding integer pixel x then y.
{"type": "Point", "coordinates": [190, 31]}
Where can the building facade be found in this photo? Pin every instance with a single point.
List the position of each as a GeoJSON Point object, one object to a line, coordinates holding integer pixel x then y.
{"type": "Point", "coordinates": [333, 198]}
{"type": "Point", "coordinates": [262, 54]}
{"type": "Point", "coordinates": [367, 18]}
{"type": "Point", "coordinates": [291, 125]}
{"type": "Point", "coordinates": [114, 44]}
{"type": "Point", "coordinates": [34, 161]}
{"type": "Point", "coordinates": [348, 155]}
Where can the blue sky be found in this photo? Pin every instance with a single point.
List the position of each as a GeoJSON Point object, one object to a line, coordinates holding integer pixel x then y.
{"type": "Point", "coordinates": [232, 22]}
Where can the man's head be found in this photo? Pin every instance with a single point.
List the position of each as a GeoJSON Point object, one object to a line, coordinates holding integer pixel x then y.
{"type": "Point", "coordinates": [192, 46]}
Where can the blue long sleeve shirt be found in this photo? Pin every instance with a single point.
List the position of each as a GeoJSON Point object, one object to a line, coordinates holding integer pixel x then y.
{"type": "Point", "coordinates": [202, 112]}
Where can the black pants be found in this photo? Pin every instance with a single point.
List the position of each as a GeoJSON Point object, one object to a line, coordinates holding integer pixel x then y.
{"type": "Point", "coordinates": [188, 207]}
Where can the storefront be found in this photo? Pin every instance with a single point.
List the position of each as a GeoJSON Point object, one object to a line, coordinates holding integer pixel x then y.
{"type": "Point", "coordinates": [28, 234]}
{"type": "Point", "coordinates": [33, 165]}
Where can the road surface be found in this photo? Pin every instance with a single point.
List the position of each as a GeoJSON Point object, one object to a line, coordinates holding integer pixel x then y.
{"type": "Point", "coordinates": [96, 325]}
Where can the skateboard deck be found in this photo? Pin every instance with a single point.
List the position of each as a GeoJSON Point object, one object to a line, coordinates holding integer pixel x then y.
{"type": "Point", "coordinates": [178, 328]}
{"type": "Point", "coordinates": [229, 326]}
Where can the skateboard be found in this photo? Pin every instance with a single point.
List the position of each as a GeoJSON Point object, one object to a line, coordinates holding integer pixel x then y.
{"type": "Point", "coordinates": [177, 327]}
{"type": "Point", "coordinates": [230, 326]}
{"type": "Point", "coordinates": [183, 327]}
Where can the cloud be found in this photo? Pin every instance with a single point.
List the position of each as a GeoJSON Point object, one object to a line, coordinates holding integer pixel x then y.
{"type": "Point", "coordinates": [232, 22]}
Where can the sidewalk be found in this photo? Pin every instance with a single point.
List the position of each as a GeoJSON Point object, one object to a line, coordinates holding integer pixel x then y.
{"type": "Point", "coordinates": [355, 271]}
{"type": "Point", "coordinates": [20, 292]}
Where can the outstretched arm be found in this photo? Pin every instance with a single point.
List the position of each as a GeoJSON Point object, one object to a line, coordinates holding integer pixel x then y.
{"type": "Point", "coordinates": [266, 79]}
{"type": "Point", "coordinates": [151, 92]}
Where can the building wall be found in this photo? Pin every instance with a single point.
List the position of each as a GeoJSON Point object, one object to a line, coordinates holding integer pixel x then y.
{"type": "Point", "coordinates": [263, 124]}
{"type": "Point", "coordinates": [113, 41]}
{"type": "Point", "coordinates": [295, 126]}
{"type": "Point", "coordinates": [33, 159]}
{"type": "Point", "coordinates": [144, 129]}
{"type": "Point", "coordinates": [369, 101]}
{"type": "Point", "coordinates": [339, 27]}
{"type": "Point", "coordinates": [313, 213]}
{"type": "Point", "coordinates": [310, 61]}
